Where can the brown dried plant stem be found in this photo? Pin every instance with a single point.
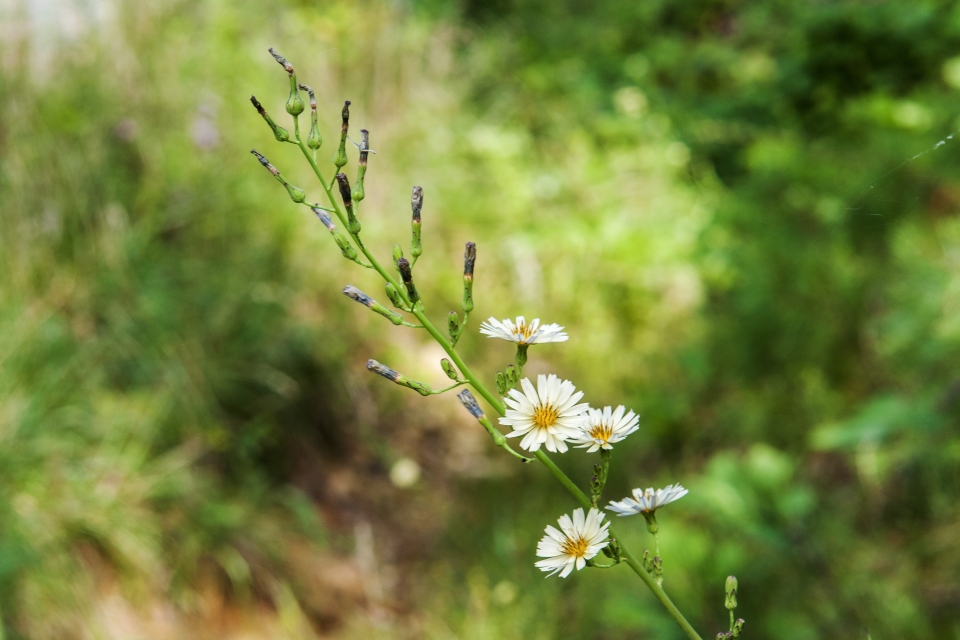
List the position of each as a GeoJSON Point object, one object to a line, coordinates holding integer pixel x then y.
{"type": "Point", "coordinates": [417, 311]}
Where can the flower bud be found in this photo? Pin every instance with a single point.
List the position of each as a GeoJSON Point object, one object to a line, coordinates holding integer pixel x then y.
{"type": "Point", "coordinates": [658, 570]}
{"type": "Point", "coordinates": [355, 294]}
{"type": "Point", "coordinates": [501, 384]}
{"type": "Point", "coordinates": [416, 204]}
{"type": "Point", "coordinates": [353, 225]}
{"type": "Point", "coordinates": [512, 376]}
{"type": "Point", "coordinates": [738, 627]}
{"type": "Point", "coordinates": [388, 373]}
{"type": "Point", "coordinates": [314, 139]}
{"type": "Point", "coordinates": [407, 275]}
{"type": "Point", "coordinates": [296, 194]}
{"type": "Point", "coordinates": [453, 325]}
{"type": "Point", "coordinates": [340, 158]}
{"type": "Point", "coordinates": [731, 593]}
{"type": "Point", "coordinates": [647, 561]}
{"type": "Point", "coordinates": [469, 259]}
{"type": "Point", "coordinates": [281, 134]}
{"type": "Point", "coordinates": [348, 252]}
{"type": "Point", "coordinates": [294, 103]}
{"type": "Point", "coordinates": [397, 254]}
{"type": "Point", "coordinates": [448, 369]}
{"type": "Point", "coordinates": [394, 296]}
{"type": "Point", "coordinates": [358, 193]}
{"type": "Point", "coordinates": [470, 404]}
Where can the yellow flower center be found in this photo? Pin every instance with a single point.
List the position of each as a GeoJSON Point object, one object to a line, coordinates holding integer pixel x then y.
{"type": "Point", "coordinates": [576, 547]}
{"type": "Point", "coordinates": [545, 416]}
{"type": "Point", "coordinates": [602, 432]}
{"type": "Point", "coordinates": [525, 330]}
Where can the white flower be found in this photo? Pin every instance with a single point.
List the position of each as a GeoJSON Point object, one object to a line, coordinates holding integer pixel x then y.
{"type": "Point", "coordinates": [546, 415]}
{"type": "Point", "coordinates": [602, 428]}
{"type": "Point", "coordinates": [647, 501]}
{"type": "Point", "coordinates": [521, 332]}
{"type": "Point", "coordinates": [579, 540]}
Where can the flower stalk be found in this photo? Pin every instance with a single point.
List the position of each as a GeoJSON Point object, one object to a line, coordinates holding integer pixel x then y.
{"type": "Point", "coordinates": [405, 297]}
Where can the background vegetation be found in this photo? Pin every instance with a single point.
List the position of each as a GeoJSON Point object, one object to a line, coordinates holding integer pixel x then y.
{"type": "Point", "coordinates": [744, 213]}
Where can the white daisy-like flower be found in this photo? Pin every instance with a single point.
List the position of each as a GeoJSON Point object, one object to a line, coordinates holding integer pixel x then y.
{"type": "Point", "coordinates": [578, 540]}
{"type": "Point", "coordinates": [547, 415]}
{"type": "Point", "coordinates": [604, 427]}
{"type": "Point", "coordinates": [646, 501]}
{"type": "Point", "coordinates": [521, 332]}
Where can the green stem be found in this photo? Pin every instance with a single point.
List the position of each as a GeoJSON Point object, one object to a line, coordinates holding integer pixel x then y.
{"type": "Point", "coordinates": [658, 592]}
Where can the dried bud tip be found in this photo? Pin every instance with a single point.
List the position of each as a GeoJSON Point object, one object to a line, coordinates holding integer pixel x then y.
{"type": "Point", "coordinates": [325, 219]}
{"type": "Point", "coordinates": [416, 202]}
{"type": "Point", "coordinates": [257, 105]}
{"type": "Point", "coordinates": [283, 61]}
{"type": "Point", "coordinates": [355, 294]}
{"type": "Point", "coordinates": [470, 403]}
{"type": "Point", "coordinates": [404, 266]}
{"type": "Point", "coordinates": [344, 183]}
{"type": "Point", "coordinates": [383, 370]}
{"type": "Point", "coordinates": [265, 162]}
{"type": "Point", "coordinates": [313, 98]}
{"type": "Point", "coordinates": [469, 258]}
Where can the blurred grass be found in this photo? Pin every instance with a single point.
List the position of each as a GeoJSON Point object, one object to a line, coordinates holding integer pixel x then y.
{"type": "Point", "coordinates": [701, 194]}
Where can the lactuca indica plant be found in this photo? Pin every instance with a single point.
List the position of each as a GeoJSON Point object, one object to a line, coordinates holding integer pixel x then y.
{"type": "Point", "coordinates": [546, 416]}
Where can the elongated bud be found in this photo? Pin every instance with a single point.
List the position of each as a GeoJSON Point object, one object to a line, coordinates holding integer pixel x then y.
{"type": "Point", "coordinates": [407, 275]}
{"type": "Point", "coordinates": [325, 219]}
{"type": "Point", "coordinates": [453, 325]}
{"type": "Point", "coordinates": [469, 259]}
{"type": "Point", "coordinates": [658, 570]}
{"type": "Point", "coordinates": [501, 384]}
{"type": "Point", "coordinates": [294, 103]}
{"type": "Point", "coordinates": [388, 373]}
{"type": "Point", "coordinates": [353, 225]}
{"type": "Point", "coordinates": [281, 134]}
{"type": "Point", "coordinates": [314, 139]}
{"type": "Point", "coordinates": [416, 204]}
{"type": "Point", "coordinates": [340, 158]}
{"type": "Point", "coordinates": [512, 376]}
{"type": "Point", "coordinates": [397, 254]}
{"type": "Point", "coordinates": [647, 561]}
{"type": "Point", "coordinates": [355, 294]}
{"type": "Point", "coordinates": [394, 296]}
{"type": "Point", "coordinates": [358, 193]}
{"type": "Point", "coordinates": [348, 251]}
{"type": "Point", "coordinates": [738, 627]}
{"type": "Point", "coordinates": [448, 369]}
{"type": "Point", "coordinates": [296, 194]}
{"type": "Point", "coordinates": [470, 404]}
{"type": "Point", "coordinates": [731, 593]}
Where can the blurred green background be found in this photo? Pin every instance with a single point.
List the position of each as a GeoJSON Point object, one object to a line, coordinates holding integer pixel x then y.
{"type": "Point", "coordinates": [745, 214]}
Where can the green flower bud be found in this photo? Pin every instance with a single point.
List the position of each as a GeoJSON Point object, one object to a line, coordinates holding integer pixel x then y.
{"type": "Point", "coordinates": [348, 252]}
{"type": "Point", "coordinates": [340, 158]}
{"type": "Point", "coordinates": [397, 254]}
{"type": "Point", "coordinates": [512, 376]}
{"type": "Point", "coordinates": [388, 373]}
{"type": "Point", "coordinates": [355, 294]}
{"type": "Point", "coordinates": [647, 561]}
{"type": "Point", "coordinates": [358, 193]}
{"type": "Point", "coordinates": [294, 102]}
{"type": "Point", "coordinates": [281, 134]}
{"type": "Point", "coordinates": [448, 369]}
{"type": "Point", "coordinates": [731, 593]}
{"type": "Point", "coordinates": [394, 296]}
{"type": "Point", "coordinates": [296, 194]}
{"type": "Point", "coordinates": [469, 259]}
{"type": "Point", "coordinates": [501, 384]}
{"type": "Point", "coordinates": [416, 203]}
{"type": "Point", "coordinates": [453, 325]}
{"type": "Point", "coordinates": [738, 627]}
{"type": "Point", "coordinates": [314, 140]}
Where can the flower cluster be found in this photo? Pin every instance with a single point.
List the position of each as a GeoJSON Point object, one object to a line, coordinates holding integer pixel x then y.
{"type": "Point", "coordinates": [550, 415]}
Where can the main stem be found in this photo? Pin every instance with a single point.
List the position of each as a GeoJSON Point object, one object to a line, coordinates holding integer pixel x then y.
{"type": "Point", "coordinates": [496, 404]}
